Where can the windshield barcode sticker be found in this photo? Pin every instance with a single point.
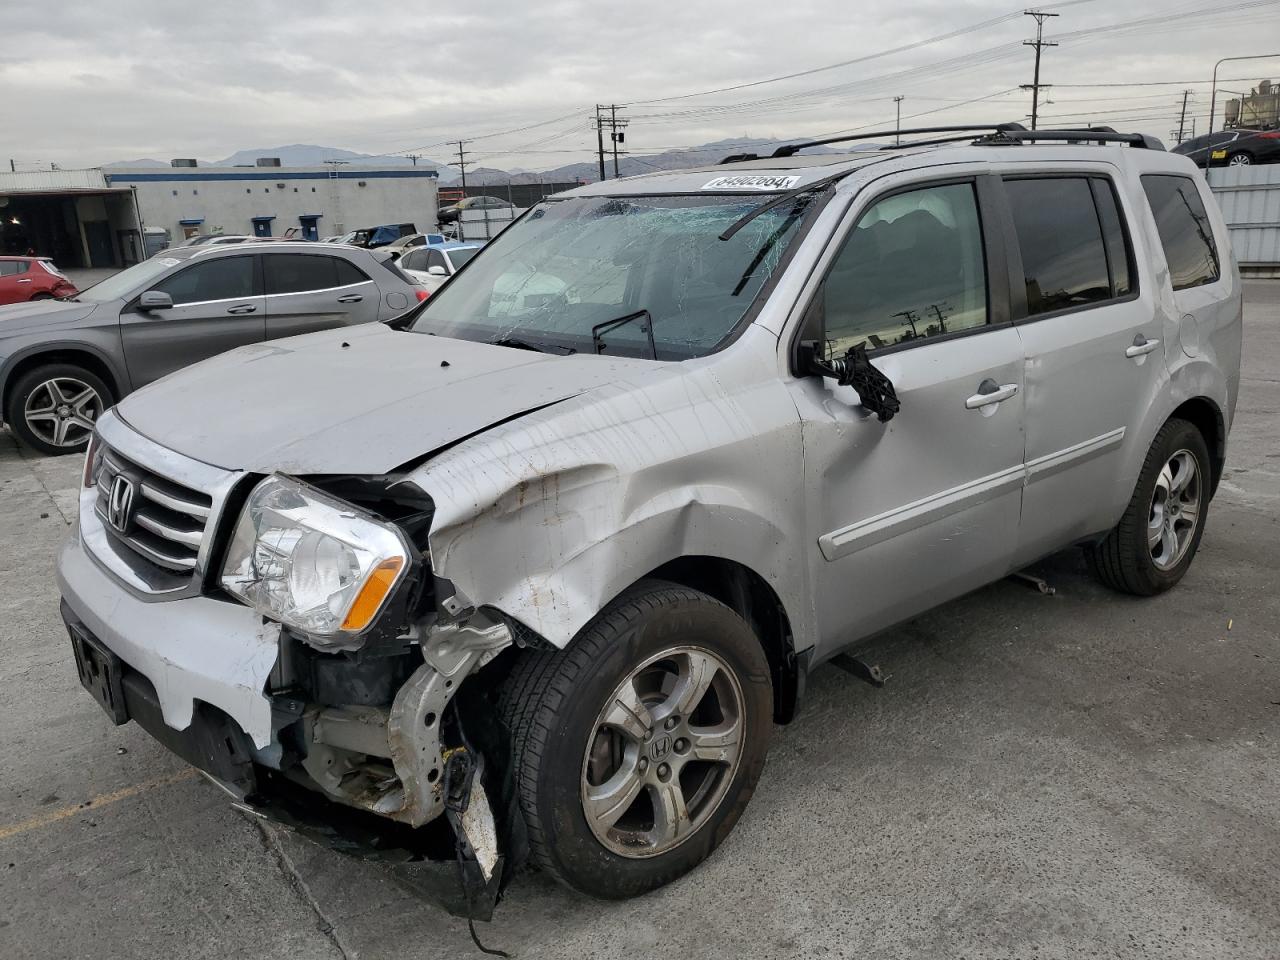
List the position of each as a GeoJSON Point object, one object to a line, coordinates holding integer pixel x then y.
{"type": "Point", "coordinates": [751, 183]}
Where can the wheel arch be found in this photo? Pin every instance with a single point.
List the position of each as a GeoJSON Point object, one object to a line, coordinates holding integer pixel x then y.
{"type": "Point", "coordinates": [79, 355]}
{"type": "Point", "coordinates": [1207, 417]}
{"type": "Point", "coordinates": [751, 596]}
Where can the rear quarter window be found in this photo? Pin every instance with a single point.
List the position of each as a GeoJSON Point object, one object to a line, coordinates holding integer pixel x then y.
{"type": "Point", "coordinates": [1185, 232]}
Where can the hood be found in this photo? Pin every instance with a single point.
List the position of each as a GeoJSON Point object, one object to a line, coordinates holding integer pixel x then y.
{"type": "Point", "coordinates": [20, 317]}
{"type": "Point", "coordinates": [360, 399]}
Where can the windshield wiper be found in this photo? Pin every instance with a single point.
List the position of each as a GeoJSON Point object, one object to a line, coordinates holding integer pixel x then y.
{"type": "Point", "coordinates": [600, 329]}
{"type": "Point", "coordinates": [518, 344]}
{"type": "Point", "coordinates": [782, 198]}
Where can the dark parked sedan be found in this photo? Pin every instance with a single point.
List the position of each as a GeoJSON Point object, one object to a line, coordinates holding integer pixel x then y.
{"type": "Point", "coordinates": [1232, 148]}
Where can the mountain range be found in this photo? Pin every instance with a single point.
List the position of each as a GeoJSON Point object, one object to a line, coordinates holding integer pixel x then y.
{"type": "Point", "coordinates": [310, 155]}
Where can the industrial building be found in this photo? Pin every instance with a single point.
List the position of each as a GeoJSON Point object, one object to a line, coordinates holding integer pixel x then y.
{"type": "Point", "coordinates": [115, 216]}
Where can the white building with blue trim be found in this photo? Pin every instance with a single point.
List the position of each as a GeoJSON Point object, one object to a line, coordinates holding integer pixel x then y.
{"type": "Point", "coordinates": [266, 201]}
{"type": "Point", "coordinates": [115, 216]}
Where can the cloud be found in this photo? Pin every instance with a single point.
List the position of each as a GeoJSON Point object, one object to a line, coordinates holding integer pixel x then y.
{"type": "Point", "coordinates": [92, 82]}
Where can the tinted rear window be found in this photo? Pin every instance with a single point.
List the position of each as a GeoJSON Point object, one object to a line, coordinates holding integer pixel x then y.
{"type": "Point", "coordinates": [1064, 259]}
{"type": "Point", "coordinates": [301, 272]}
{"type": "Point", "coordinates": [1184, 228]}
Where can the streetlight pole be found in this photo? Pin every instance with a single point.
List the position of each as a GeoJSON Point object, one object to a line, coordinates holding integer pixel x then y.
{"type": "Point", "coordinates": [1213, 90]}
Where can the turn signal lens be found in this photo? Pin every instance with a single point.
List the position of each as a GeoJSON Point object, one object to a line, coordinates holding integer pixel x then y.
{"type": "Point", "coordinates": [369, 600]}
{"type": "Point", "coordinates": [90, 473]}
{"type": "Point", "coordinates": [422, 294]}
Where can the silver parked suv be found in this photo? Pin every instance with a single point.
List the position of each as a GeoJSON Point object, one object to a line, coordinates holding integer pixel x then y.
{"type": "Point", "coordinates": [62, 363]}
{"type": "Point", "coordinates": [546, 560]}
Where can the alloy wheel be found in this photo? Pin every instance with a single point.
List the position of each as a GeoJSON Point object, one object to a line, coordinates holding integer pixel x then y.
{"type": "Point", "coordinates": [663, 752]}
{"type": "Point", "coordinates": [1175, 510]}
{"type": "Point", "coordinates": [1240, 160]}
{"type": "Point", "coordinates": [62, 411]}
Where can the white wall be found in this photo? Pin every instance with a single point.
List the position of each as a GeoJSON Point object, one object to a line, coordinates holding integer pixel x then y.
{"type": "Point", "coordinates": [228, 198]}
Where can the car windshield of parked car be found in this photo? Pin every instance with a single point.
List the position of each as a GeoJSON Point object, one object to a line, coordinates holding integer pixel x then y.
{"type": "Point", "coordinates": [571, 266]}
{"type": "Point", "coordinates": [128, 282]}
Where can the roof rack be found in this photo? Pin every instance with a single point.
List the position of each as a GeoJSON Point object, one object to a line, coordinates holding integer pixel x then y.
{"type": "Point", "coordinates": [992, 134]}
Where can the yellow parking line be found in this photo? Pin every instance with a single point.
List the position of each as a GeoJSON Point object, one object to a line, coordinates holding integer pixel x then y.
{"type": "Point", "coordinates": [53, 816]}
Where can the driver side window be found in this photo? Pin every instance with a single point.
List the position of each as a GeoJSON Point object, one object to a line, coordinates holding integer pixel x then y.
{"type": "Point", "coordinates": [227, 278]}
{"type": "Point", "coordinates": [912, 268]}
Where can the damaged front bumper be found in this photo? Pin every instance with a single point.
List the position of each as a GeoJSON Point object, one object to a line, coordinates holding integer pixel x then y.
{"type": "Point", "coordinates": [209, 679]}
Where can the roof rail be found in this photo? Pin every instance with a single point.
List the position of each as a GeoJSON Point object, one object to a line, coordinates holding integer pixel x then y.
{"type": "Point", "coordinates": [994, 134]}
{"type": "Point", "coordinates": [1082, 135]}
{"type": "Point", "coordinates": [791, 149]}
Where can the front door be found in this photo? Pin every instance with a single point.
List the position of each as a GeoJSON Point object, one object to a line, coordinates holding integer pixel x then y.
{"type": "Point", "coordinates": [1094, 351]}
{"type": "Point", "coordinates": [906, 514]}
{"type": "Point", "coordinates": [217, 305]}
{"type": "Point", "coordinates": [315, 291]}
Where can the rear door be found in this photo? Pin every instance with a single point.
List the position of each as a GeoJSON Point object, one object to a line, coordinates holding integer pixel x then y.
{"type": "Point", "coordinates": [907, 514]}
{"type": "Point", "coordinates": [1094, 352]}
{"type": "Point", "coordinates": [315, 291]}
{"type": "Point", "coordinates": [15, 284]}
{"type": "Point", "coordinates": [217, 305]}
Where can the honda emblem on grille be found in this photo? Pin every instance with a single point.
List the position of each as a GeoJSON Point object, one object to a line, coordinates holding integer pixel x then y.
{"type": "Point", "coordinates": [120, 503]}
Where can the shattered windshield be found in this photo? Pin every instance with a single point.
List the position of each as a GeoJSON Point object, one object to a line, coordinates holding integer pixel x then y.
{"type": "Point", "coordinates": [574, 265]}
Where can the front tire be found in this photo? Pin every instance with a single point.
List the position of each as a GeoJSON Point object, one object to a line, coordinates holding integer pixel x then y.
{"type": "Point", "coordinates": [636, 749]}
{"type": "Point", "coordinates": [1240, 160]}
{"type": "Point", "coordinates": [53, 408]}
{"type": "Point", "coordinates": [1152, 546]}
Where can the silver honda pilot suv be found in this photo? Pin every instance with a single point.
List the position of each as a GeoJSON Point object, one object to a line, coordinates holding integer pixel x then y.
{"type": "Point", "coordinates": [538, 566]}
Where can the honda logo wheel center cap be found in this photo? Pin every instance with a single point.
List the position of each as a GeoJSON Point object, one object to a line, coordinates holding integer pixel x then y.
{"type": "Point", "coordinates": [660, 748]}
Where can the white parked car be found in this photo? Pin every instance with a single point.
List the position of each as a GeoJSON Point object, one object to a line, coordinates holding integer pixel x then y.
{"type": "Point", "coordinates": [430, 265]}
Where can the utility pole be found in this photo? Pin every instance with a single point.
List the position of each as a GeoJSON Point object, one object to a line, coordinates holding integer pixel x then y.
{"type": "Point", "coordinates": [617, 134]}
{"type": "Point", "coordinates": [462, 166]}
{"type": "Point", "coordinates": [600, 141]}
{"type": "Point", "coordinates": [1182, 119]}
{"type": "Point", "coordinates": [1039, 43]}
{"type": "Point", "coordinates": [415, 157]}
{"type": "Point", "coordinates": [897, 123]}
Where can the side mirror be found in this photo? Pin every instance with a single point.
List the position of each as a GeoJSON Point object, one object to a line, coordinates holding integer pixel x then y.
{"type": "Point", "coordinates": [437, 271]}
{"type": "Point", "coordinates": [155, 300]}
{"type": "Point", "coordinates": [853, 369]}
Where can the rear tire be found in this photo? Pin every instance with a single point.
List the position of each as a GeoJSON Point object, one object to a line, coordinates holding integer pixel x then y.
{"type": "Point", "coordinates": [1152, 546]}
{"type": "Point", "coordinates": [43, 296]}
{"type": "Point", "coordinates": [699, 755]}
{"type": "Point", "coordinates": [53, 408]}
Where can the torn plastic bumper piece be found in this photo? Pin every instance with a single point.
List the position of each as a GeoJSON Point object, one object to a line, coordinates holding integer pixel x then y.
{"type": "Point", "coordinates": [428, 862]}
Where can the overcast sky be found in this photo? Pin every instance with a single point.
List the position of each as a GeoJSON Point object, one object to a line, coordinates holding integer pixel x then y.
{"type": "Point", "coordinates": [90, 82]}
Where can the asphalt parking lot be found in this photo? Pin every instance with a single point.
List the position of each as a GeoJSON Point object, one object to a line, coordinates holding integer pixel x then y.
{"type": "Point", "coordinates": [1082, 775]}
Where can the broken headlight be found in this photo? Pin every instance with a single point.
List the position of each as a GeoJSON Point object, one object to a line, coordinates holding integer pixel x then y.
{"type": "Point", "coordinates": [312, 562]}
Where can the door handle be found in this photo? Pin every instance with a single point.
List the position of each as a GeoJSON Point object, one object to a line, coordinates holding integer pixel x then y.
{"type": "Point", "coordinates": [990, 392]}
{"type": "Point", "coordinates": [28, 280]}
{"type": "Point", "coordinates": [1141, 347]}
{"type": "Point", "coordinates": [243, 308]}
{"type": "Point", "coordinates": [351, 298]}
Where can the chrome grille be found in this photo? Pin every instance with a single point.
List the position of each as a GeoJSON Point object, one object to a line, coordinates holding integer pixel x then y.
{"type": "Point", "coordinates": [164, 522]}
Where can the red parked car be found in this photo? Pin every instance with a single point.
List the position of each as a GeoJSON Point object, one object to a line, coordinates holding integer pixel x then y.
{"type": "Point", "coordinates": [32, 278]}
